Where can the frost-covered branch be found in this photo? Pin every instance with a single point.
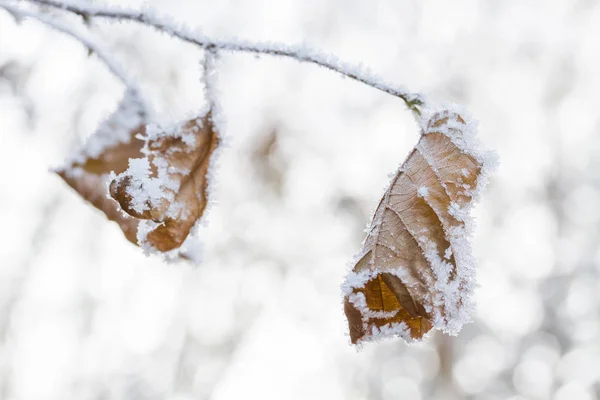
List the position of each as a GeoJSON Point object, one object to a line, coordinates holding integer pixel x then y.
{"type": "Point", "coordinates": [82, 37]}
{"type": "Point", "coordinates": [210, 76]}
{"type": "Point", "coordinates": [149, 17]}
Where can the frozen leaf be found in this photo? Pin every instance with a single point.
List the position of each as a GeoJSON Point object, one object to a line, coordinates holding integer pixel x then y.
{"type": "Point", "coordinates": [167, 188]}
{"type": "Point", "coordinates": [108, 150]}
{"type": "Point", "coordinates": [158, 177]}
{"type": "Point", "coordinates": [415, 271]}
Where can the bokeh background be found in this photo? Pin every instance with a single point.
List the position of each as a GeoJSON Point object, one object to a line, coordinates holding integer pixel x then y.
{"type": "Point", "coordinates": [85, 315]}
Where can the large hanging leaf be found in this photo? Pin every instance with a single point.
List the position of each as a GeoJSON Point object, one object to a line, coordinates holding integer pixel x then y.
{"type": "Point", "coordinates": [415, 270]}
{"type": "Point", "coordinates": [167, 188]}
{"type": "Point", "coordinates": [109, 149]}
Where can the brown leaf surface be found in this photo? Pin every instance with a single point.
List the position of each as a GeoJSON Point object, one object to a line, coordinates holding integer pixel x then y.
{"type": "Point", "coordinates": [414, 271]}
{"type": "Point", "coordinates": [171, 194]}
{"type": "Point", "coordinates": [108, 149]}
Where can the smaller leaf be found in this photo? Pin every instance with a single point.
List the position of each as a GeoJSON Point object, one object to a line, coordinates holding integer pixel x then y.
{"type": "Point", "coordinates": [168, 188]}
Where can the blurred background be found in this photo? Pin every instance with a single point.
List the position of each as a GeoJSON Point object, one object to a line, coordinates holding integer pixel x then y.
{"type": "Point", "coordinates": [85, 315]}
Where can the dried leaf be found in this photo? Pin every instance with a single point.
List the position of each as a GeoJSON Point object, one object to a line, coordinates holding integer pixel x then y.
{"type": "Point", "coordinates": [108, 150]}
{"type": "Point", "coordinates": [157, 176]}
{"type": "Point", "coordinates": [167, 188]}
{"type": "Point", "coordinates": [415, 271]}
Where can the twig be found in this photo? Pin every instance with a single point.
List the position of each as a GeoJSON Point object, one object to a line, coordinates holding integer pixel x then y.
{"type": "Point", "coordinates": [164, 24]}
{"type": "Point", "coordinates": [90, 43]}
{"type": "Point", "coordinates": [209, 77]}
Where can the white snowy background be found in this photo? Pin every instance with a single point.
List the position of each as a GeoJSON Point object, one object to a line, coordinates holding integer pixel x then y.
{"type": "Point", "coordinates": [85, 315]}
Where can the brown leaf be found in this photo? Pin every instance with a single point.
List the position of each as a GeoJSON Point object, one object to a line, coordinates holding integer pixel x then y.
{"type": "Point", "coordinates": [168, 187]}
{"type": "Point", "coordinates": [415, 270]}
{"type": "Point", "coordinates": [108, 150]}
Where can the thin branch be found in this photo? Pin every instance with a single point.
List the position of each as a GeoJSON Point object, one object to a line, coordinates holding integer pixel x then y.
{"type": "Point", "coordinates": [90, 43]}
{"type": "Point", "coordinates": [164, 24]}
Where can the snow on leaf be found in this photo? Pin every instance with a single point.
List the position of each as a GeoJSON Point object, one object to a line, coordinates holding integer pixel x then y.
{"type": "Point", "coordinates": [167, 187]}
{"type": "Point", "coordinates": [158, 176]}
{"type": "Point", "coordinates": [108, 150]}
{"type": "Point", "coordinates": [415, 271]}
